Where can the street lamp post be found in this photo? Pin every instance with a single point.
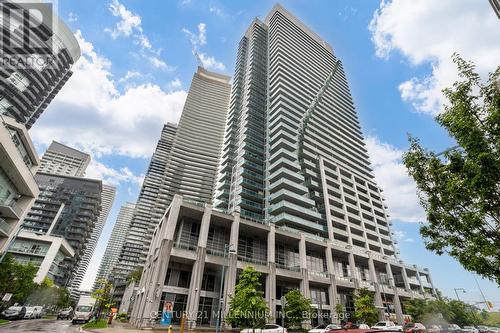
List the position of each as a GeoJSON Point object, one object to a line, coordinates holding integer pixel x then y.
{"type": "Point", "coordinates": [461, 289]}
{"type": "Point", "coordinates": [228, 249]}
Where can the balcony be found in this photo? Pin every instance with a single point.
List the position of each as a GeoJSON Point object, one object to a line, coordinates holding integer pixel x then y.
{"type": "Point", "coordinates": [10, 209]}
{"type": "Point", "coordinates": [5, 228]}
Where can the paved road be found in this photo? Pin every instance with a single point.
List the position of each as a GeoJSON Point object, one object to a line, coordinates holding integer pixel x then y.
{"type": "Point", "coordinates": [40, 325]}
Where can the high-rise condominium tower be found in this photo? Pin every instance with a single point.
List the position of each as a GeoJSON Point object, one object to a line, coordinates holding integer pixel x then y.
{"type": "Point", "coordinates": [107, 198]}
{"type": "Point", "coordinates": [25, 91]}
{"type": "Point", "coordinates": [60, 159]}
{"type": "Point", "coordinates": [115, 243]}
{"type": "Point", "coordinates": [138, 235]}
{"type": "Point", "coordinates": [188, 167]}
{"type": "Point", "coordinates": [295, 196]}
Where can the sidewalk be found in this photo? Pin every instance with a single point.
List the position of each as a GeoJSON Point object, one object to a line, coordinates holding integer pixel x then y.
{"type": "Point", "coordinates": [118, 327]}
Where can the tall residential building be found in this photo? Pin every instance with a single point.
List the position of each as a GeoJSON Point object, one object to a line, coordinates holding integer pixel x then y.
{"type": "Point", "coordinates": [59, 159]}
{"type": "Point", "coordinates": [295, 197]}
{"type": "Point", "coordinates": [25, 91]}
{"type": "Point", "coordinates": [192, 161]}
{"type": "Point", "coordinates": [68, 207]}
{"type": "Point", "coordinates": [496, 6]}
{"type": "Point", "coordinates": [115, 243]}
{"type": "Point", "coordinates": [138, 234]}
{"type": "Point", "coordinates": [107, 198]}
{"type": "Point", "coordinates": [18, 189]}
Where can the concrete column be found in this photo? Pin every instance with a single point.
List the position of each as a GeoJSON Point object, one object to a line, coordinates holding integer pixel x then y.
{"type": "Point", "coordinates": [405, 279]}
{"type": "Point", "coordinates": [354, 270]}
{"type": "Point", "coordinates": [373, 278]}
{"type": "Point", "coordinates": [326, 197]}
{"type": "Point", "coordinates": [204, 227]}
{"type": "Point", "coordinates": [153, 290]}
{"type": "Point", "coordinates": [421, 286]}
{"type": "Point", "coordinates": [332, 287]}
{"type": "Point", "coordinates": [271, 277]}
{"type": "Point", "coordinates": [434, 291]}
{"type": "Point", "coordinates": [193, 300]}
{"type": "Point", "coordinates": [304, 285]}
{"type": "Point", "coordinates": [152, 282]}
{"type": "Point", "coordinates": [397, 302]}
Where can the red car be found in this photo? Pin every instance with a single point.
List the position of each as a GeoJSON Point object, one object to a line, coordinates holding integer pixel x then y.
{"type": "Point", "coordinates": [413, 328]}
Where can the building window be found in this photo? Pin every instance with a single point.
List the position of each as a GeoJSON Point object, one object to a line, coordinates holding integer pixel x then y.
{"type": "Point", "coordinates": [184, 279]}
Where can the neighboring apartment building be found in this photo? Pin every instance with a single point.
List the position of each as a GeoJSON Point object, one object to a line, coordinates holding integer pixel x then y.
{"type": "Point", "coordinates": [26, 92]}
{"type": "Point", "coordinates": [60, 159]}
{"type": "Point", "coordinates": [68, 207]}
{"type": "Point", "coordinates": [107, 198]}
{"type": "Point", "coordinates": [295, 196]}
{"type": "Point", "coordinates": [115, 243]}
{"type": "Point", "coordinates": [191, 164]}
{"type": "Point", "coordinates": [138, 234]}
{"type": "Point", "coordinates": [496, 6]}
{"type": "Point", "coordinates": [18, 189]}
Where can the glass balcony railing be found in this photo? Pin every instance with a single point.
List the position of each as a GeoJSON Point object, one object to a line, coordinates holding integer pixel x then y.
{"type": "Point", "coordinates": [5, 228]}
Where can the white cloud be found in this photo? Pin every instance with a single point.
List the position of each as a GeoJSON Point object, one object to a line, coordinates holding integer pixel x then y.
{"type": "Point", "coordinates": [197, 39]}
{"type": "Point", "coordinates": [175, 84]}
{"type": "Point", "coordinates": [129, 21]}
{"type": "Point", "coordinates": [399, 189]}
{"type": "Point", "coordinates": [209, 62]}
{"type": "Point", "coordinates": [72, 17]}
{"type": "Point", "coordinates": [216, 11]}
{"type": "Point", "coordinates": [98, 170]}
{"type": "Point", "coordinates": [130, 24]}
{"type": "Point", "coordinates": [428, 32]}
{"type": "Point", "coordinates": [400, 236]}
{"type": "Point", "coordinates": [104, 120]}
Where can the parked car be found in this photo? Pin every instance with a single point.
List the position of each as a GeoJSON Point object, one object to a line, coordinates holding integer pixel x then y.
{"type": "Point", "coordinates": [493, 329]}
{"type": "Point", "coordinates": [29, 312]}
{"type": "Point", "coordinates": [268, 328]}
{"type": "Point", "coordinates": [386, 326]}
{"type": "Point", "coordinates": [323, 328]}
{"type": "Point", "coordinates": [482, 329]}
{"type": "Point", "coordinates": [14, 312]}
{"type": "Point", "coordinates": [38, 311]}
{"type": "Point", "coordinates": [470, 329]}
{"type": "Point", "coordinates": [363, 327]}
{"type": "Point", "coordinates": [413, 328]}
{"type": "Point", "coordinates": [65, 314]}
{"type": "Point", "coordinates": [453, 328]}
{"type": "Point", "coordinates": [434, 329]}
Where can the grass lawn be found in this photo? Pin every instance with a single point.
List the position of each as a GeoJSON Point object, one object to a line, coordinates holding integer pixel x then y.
{"type": "Point", "coordinates": [4, 321]}
{"type": "Point", "coordinates": [493, 319]}
{"type": "Point", "coordinates": [101, 323]}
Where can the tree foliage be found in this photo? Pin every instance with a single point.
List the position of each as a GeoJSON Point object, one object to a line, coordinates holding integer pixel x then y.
{"type": "Point", "coordinates": [135, 275]}
{"type": "Point", "coordinates": [364, 307]}
{"type": "Point", "coordinates": [297, 308]}
{"type": "Point", "coordinates": [49, 295]}
{"type": "Point", "coordinates": [442, 312]}
{"type": "Point", "coordinates": [247, 308]}
{"type": "Point", "coordinates": [103, 296]}
{"type": "Point", "coordinates": [17, 279]}
{"type": "Point", "coordinates": [460, 188]}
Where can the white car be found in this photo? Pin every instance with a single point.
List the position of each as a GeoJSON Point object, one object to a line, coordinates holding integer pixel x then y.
{"type": "Point", "coordinates": [268, 328]}
{"type": "Point", "coordinates": [387, 326]}
{"type": "Point", "coordinates": [37, 312]}
{"type": "Point", "coordinates": [323, 328]}
{"type": "Point", "coordinates": [363, 327]}
{"type": "Point", "coordinates": [470, 329]}
{"type": "Point", "coordinates": [29, 312]}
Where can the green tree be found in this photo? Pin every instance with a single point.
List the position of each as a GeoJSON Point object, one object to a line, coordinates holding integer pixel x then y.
{"type": "Point", "coordinates": [340, 311]}
{"type": "Point", "coordinates": [135, 275]}
{"type": "Point", "coordinates": [364, 307]}
{"type": "Point", "coordinates": [247, 308]}
{"type": "Point", "coordinates": [442, 312]}
{"type": "Point", "coordinates": [415, 308]}
{"type": "Point", "coordinates": [103, 296]}
{"type": "Point", "coordinates": [17, 279]}
{"type": "Point", "coordinates": [459, 188]}
{"type": "Point", "coordinates": [297, 308]}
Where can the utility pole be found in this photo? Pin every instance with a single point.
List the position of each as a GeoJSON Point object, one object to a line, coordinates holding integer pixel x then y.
{"type": "Point", "coordinates": [461, 289]}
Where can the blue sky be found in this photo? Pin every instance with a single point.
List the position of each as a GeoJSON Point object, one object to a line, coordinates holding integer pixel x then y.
{"type": "Point", "coordinates": [137, 66]}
